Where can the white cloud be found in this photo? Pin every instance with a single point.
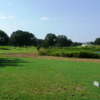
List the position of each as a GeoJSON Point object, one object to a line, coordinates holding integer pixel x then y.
{"type": "Point", "coordinates": [6, 17]}
{"type": "Point", "coordinates": [44, 18]}
{"type": "Point", "coordinates": [11, 17]}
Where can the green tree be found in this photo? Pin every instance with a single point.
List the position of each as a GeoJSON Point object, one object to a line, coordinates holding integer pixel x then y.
{"type": "Point", "coordinates": [50, 40]}
{"type": "Point", "coordinates": [97, 41]}
{"type": "Point", "coordinates": [40, 43]}
{"type": "Point", "coordinates": [63, 41]}
{"type": "Point", "coordinates": [22, 38]}
{"type": "Point", "coordinates": [4, 39]}
{"type": "Point", "coordinates": [76, 44]}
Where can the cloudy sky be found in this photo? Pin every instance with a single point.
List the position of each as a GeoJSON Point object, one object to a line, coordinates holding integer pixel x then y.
{"type": "Point", "coordinates": [77, 19]}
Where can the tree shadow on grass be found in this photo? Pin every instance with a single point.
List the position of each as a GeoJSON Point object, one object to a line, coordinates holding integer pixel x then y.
{"type": "Point", "coordinates": [5, 49]}
{"type": "Point", "coordinates": [5, 62]}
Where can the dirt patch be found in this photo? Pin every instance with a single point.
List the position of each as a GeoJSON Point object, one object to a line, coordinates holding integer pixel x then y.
{"type": "Point", "coordinates": [35, 55]}
{"type": "Point", "coordinates": [71, 59]}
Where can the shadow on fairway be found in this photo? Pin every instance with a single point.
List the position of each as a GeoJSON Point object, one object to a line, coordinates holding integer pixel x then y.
{"type": "Point", "coordinates": [5, 49]}
{"type": "Point", "coordinates": [4, 62]}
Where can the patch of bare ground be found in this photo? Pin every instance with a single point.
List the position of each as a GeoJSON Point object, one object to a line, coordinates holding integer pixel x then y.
{"type": "Point", "coordinates": [35, 55]}
{"type": "Point", "coordinates": [49, 90]}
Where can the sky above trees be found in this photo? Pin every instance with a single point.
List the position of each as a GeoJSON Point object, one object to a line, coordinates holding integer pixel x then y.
{"type": "Point", "coordinates": [77, 19]}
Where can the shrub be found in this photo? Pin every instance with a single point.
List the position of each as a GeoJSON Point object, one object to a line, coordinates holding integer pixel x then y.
{"type": "Point", "coordinates": [63, 53]}
{"type": "Point", "coordinates": [88, 55]}
{"type": "Point", "coordinates": [42, 51]}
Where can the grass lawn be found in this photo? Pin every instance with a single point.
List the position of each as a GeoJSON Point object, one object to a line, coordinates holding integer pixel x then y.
{"type": "Point", "coordinates": [43, 79]}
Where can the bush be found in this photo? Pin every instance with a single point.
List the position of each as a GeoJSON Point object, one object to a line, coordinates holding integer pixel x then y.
{"type": "Point", "coordinates": [88, 55]}
{"type": "Point", "coordinates": [62, 53]}
{"type": "Point", "coordinates": [42, 51]}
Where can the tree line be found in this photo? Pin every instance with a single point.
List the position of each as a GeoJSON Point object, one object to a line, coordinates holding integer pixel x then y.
{"type": "Point", "coordinates": [24, 38]}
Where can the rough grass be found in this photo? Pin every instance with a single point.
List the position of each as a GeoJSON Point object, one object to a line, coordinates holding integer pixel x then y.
{"type": "Point", "coordinates": [45, 79]}
{"type": "Point", "coordinates": [79, 52]}
{"type": "Point", "coordinates": [11, 49]}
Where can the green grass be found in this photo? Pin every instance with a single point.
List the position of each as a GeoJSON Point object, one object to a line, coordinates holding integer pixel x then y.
{"type": "Point", "coordinates": [11, 49]}
{"type": "Point", "coordinates": [80, 52]}
{"type": "Point", "coordinates": [43, 79]}
{"type": "Point", "coordinates": [75, 49]}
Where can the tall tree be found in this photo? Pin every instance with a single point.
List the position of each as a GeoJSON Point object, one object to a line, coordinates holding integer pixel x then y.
{"type": "Point", "coordinates": [22, 38]}
{"type": "Point", "coordinates": [97, 41]}
{"type": "Point", "coordinates": [4, 39]}
{"type": "Point", "coordinates": [50, 40]}
{"type": "Point", "coordinates": [63, 41]}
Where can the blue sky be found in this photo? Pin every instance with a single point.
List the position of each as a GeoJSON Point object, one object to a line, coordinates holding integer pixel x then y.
{"type": "Point", "coordinates": [77, 19]}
